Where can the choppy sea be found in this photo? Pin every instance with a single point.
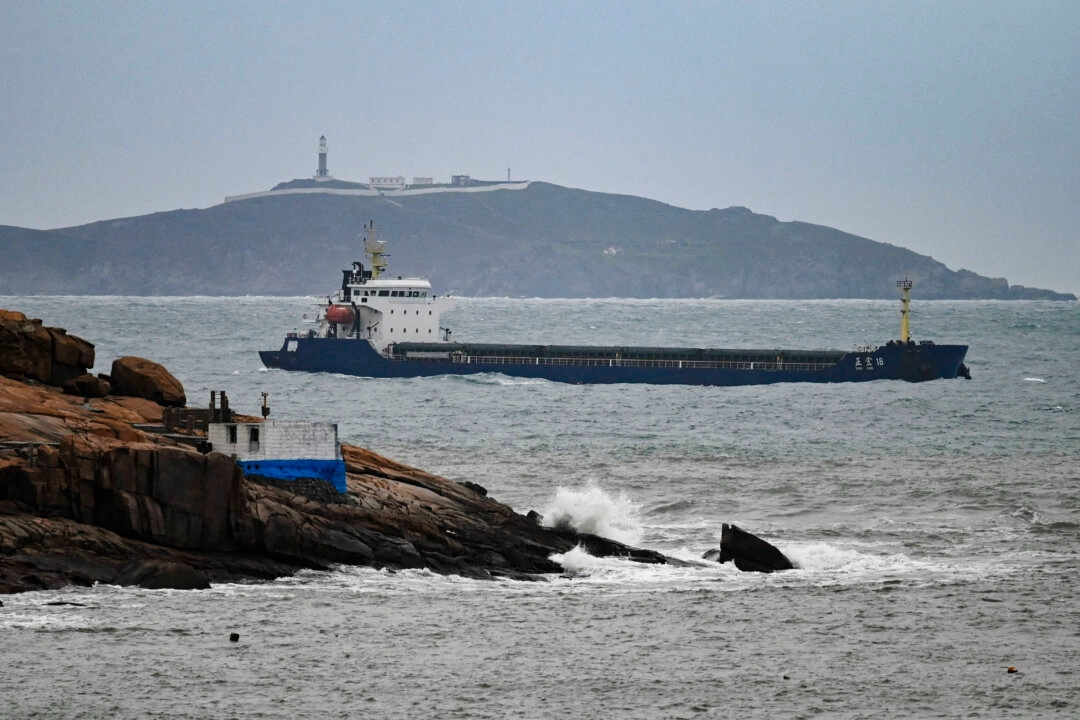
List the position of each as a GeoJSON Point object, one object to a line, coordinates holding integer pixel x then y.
{"type": "Point", "coordinates": [936, 527]}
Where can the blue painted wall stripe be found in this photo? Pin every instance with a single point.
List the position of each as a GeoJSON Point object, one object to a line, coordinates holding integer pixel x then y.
{"type": "Point", "coordinates": [333, 471]}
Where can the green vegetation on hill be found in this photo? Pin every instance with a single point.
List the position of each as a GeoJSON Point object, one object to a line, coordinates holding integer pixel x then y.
{"type": "Point", "coordinates": [544, 241]}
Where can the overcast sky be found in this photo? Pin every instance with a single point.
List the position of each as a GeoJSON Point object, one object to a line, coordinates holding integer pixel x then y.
{"type": "Point", "coordinates": [951, 128]}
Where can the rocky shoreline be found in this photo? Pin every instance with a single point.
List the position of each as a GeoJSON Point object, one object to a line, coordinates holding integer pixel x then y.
{"type": "Point", "coordinates": [88, 494]}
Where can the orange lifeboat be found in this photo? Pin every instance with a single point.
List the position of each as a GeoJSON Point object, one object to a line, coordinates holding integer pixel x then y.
{"type": "Point", "coordinates": [341, 314]}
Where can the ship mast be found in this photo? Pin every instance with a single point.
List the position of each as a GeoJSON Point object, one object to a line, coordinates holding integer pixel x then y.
{"type": "Point", "coordinates": [376, 249]}
{"type": "Point", "coordinates": [905, 309]}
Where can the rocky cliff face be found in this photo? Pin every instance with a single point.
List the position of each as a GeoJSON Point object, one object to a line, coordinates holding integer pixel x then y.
{"type": "Point", "coordinates": [110, 504]}
{"type": "Point", "coordinates": [88, 495]}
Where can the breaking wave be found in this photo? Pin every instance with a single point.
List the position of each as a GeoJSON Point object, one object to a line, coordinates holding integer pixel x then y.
{"type": "Point", "coordinates": [593, 510]}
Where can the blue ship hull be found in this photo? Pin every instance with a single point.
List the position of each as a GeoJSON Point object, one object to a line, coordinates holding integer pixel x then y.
{"type": "Point", "coordinates": [894, 361]}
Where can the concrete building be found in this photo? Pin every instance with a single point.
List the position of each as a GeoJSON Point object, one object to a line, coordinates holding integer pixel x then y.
{"type": "Point", "coordinates": [282, 449]}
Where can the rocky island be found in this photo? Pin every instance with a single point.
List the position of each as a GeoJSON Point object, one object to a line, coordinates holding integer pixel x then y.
{"type": "Point", "coordinates": [92, 490]}
{"type": "Point", "coordinates": [541, 240]}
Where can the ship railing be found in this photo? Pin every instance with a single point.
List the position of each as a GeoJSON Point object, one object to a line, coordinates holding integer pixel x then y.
{"type": "Point", "coordinates": [612, 362]}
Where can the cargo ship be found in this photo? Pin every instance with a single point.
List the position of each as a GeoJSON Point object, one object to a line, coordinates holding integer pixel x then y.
{"type": "Point", "coordinates": [381, 327]}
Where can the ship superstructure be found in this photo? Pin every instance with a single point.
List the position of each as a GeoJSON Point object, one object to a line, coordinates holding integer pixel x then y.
{"type": "Point", "coordinates": [378, 309]}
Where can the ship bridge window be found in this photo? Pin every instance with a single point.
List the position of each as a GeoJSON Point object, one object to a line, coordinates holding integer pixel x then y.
{"type": "Point", "coordinates": [395, 293]}
{"type": "Point", "coordinates": [384, 293]}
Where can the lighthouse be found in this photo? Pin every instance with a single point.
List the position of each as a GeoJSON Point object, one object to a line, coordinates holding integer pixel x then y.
{"type": "Point", "coordinates": [322, 173]}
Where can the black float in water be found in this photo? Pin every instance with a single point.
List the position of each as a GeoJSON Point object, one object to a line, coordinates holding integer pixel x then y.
{"type": "Point", "coordinates": [234, 637]}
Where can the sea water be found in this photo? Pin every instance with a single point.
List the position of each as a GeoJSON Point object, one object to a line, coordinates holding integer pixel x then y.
{"type": "Point", "coordinates": [936, 529]}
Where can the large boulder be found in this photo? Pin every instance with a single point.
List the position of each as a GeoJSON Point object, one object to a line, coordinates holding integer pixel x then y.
{"type": "Point", "coordinates": [142, 378]}
{"type": "Point", "coordinates": [29, 350]}
{"type": "Point", "coordinates": [749, 552]}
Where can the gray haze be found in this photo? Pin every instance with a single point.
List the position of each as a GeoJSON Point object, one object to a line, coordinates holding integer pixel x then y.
{"type": "Point", "coordinates": [947, 128]}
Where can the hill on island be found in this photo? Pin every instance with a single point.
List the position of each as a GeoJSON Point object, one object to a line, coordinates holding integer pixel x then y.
{"type": "Point", "coordinates": [541, 241]}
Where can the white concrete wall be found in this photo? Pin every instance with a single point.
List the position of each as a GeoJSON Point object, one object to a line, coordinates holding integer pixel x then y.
{"type": "Point", "coordinates": [278, 440]}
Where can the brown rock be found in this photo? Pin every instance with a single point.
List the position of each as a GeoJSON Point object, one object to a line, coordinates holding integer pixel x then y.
{"type": "Point", "coordinates": [88, 386]}
{"type": "Point", "coordinates": [142, 378]}
{"type": "Point", "coordinates": [69, 350]}
{"type": "Point", "coordinates": [48, 355]}
{"type": "Point", "coordinates": [25, 348]}
{"type": "Point", "coordinates": [176, 497]}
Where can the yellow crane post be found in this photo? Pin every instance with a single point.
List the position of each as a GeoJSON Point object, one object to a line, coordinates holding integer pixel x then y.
{"type": "Point", "coordinates": [905, 309]}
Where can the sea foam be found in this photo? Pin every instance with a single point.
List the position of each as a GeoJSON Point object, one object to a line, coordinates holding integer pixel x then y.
{"type": "Point", "coordinates": [593, 510]}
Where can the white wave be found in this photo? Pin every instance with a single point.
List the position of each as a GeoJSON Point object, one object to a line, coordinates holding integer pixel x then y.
{"type": "Point", "coordinates": [1034, 380]}
{"type": "Point", "coordinates": [48, 621]}
{"type": "Point", "coordinates": [822, 563]}
{"type": "Point", "coordinates": [592, 510]}
{"type": "Point", "coordinates": [822, 557]}
{"type": "Point", "coordinates": [581, 568]}
{"type": "Point", "coordinates": [577, 561]}
{"type": "Point", "coordinates": [506, 380]}
{"type": "Point", "coordinates": [495, 379]}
